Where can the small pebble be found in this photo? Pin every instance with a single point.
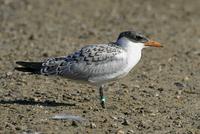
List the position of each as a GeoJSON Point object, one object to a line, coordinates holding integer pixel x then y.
{"type": "Point", "coordinates": [178, 97]}
{"type": "Point", "coordinates": [18, 128]}
{"type": "Point", "coordinates": [114, 118]}
{"type": "Point", "coordinates": [126, 122]}
{"type": "Point", "coordinates": [120, 132]}
{"type": "Point", "coordinates": [86, 99]}
{"type": "Point", "coordinates": [84, 111]}
{"type": "Point", "coordinates": [114, 125]}
{"type": "Point", "coordinates": [45, 54]}
{"type": "Point", "coordinates": [93, 125]}
{"type": "Point", "coordinates": [90, 108]}
{"type": "Point", "coordinates": [31, 37]}
{"type": "Point", "coordinates": [124, 85]}
{"type": "Point", "coordinates": [179, 85]}
{"type": "Point", "coordinates": [75, 123]}
{"type": "Point", "coordinates": [130, 131]}
{"type": "Point", "coordinates": [9, 73]}
{"type": "Point", "coordinates": [153, 114]}
{"type": "Point", "coordinates": [156, 94]}
{"type": "Point", "coordinates": [105, 121]}
{"type": "Point", "coordinates": [186, 78]}
{"type": "Point", "coordinates": [136, 86]}
{"type": "Point", "coordinates": [160, 89]}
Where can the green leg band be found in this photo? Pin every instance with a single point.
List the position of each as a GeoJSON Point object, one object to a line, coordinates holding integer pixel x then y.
{"type": "Point", "coordinates": [103, 99]}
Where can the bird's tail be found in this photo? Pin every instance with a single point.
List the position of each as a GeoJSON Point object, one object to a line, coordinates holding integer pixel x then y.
{"type": "Point", "coordinates": [33, 67]}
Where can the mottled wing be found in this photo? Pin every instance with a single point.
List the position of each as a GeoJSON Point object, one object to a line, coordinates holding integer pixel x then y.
{"type": "Point", "coordinates": [51, 66]}
{"type": "Point", "coordinates": [92, 63]}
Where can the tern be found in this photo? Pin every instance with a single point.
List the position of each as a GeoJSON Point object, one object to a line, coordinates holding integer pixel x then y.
{"type": "Point", "coordinates": [95, 64]}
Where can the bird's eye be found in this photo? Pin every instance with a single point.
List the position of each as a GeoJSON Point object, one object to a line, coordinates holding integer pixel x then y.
{"type": "Point", "coordinates": [138, 38]}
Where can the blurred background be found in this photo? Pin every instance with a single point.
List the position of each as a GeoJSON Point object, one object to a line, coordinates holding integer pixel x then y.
{"type": "Point", "coordinates": [161, 94]}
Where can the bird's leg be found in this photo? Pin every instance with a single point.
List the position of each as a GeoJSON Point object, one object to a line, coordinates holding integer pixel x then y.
{"type": "Point", "coordinates": [102, 97]}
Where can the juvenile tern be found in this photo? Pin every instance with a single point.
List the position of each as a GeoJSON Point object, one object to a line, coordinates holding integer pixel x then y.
{"type": "Point", "coordinates": [96, 64]}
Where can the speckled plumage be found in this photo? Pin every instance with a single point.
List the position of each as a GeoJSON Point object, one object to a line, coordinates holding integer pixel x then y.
{"type": "Point", "coordinates": [89, 62]}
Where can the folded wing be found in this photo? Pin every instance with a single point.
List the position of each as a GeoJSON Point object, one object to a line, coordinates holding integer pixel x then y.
{"type": "Point", "coordinates": [92, 63]}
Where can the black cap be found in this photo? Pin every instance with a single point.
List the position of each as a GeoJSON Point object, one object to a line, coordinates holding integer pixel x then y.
{"type": "Point", "coordinates": [133, 36]}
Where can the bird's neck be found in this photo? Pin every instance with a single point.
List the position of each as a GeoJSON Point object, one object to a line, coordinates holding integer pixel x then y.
{"type": "Point", "coordinates": [133, 50]}
{"type": "Point", "coordinates": [129, 45]}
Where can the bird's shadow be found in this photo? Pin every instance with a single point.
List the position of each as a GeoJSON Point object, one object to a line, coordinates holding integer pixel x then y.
{"type": "Point", "coordinates": [46, 103]}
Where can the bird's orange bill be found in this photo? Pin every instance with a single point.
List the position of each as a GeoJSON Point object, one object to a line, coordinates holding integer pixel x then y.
{"type": "Point", "coordinates": [153, 44]}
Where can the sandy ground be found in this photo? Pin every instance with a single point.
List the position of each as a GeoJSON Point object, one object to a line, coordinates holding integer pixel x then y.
{"type": "Point", "coordinates": [160, 96]}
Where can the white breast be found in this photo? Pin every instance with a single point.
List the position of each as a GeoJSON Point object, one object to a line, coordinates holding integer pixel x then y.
{"type": "Point", "coordinates": [121, 64]}
{"type": "Point", "coordinates": [133, 54]}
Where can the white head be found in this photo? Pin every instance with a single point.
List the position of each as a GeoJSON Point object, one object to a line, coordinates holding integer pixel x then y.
{"type": "Point", "coordinates": [133, 39]}
{"type": "Point", "coordinates": [133, 43]}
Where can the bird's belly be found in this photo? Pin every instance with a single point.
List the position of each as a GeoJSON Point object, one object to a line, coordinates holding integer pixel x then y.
{"type": "Point", "coordinates": [101, 79]}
